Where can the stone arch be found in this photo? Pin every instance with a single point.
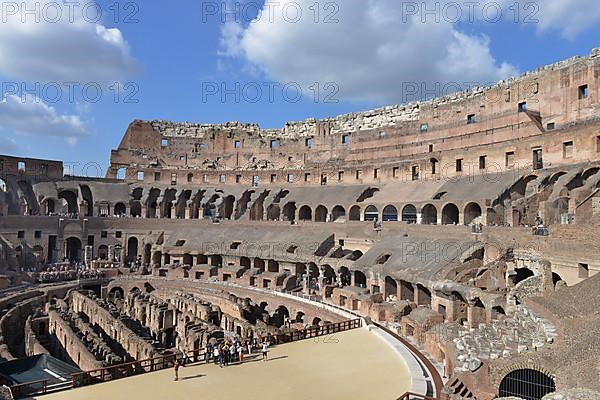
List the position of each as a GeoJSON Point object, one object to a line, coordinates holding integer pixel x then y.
{"type": "Point", "coordinates": [132, 249]}
{"type": "Point", "coordinates": [49, 206]}
{"type": "Point", "coordinates": [472, 214]}
{"type": "Point", "coordinates": [299, 317]}
{"type": "Point", "coordinates": [3, 186]}
{"type": "Point", "coordinates": [116, 293]}
{"type": "Point", "coordinates": [273, 212]}
{"type": "Point", "coordinates": [136, 209]}
{"type": "Point", "coordinates": [103, 252]}
{"type": "Point", "coordinates": [391, 288]}
{"type": "Point", "coordinates": [354, 214]}
{"type": "Point", "coordinates": [70, 198]}
{"type": "Point", "coordinates": [259, 263]}
{"type": "Point", "coordinates": [521, 275]}
{"type": "Point", "coordinates": [227, 207]}
{"type": "Point", "coordinates": [73, 249]}
{"type": "Point", "coordinates": [409, 214]}
{"type": "Point", "coordinates": [188, 259]}
{"type": "Point", "coordinates": [86, 194]}
{"type": "Point", "coordinates": [423, 296]}
{"type": "Point", "coordinates": [245, 262]}
{"type": "Point", "coordinates": [316, 321]}
{"type": "Point", "coordinates": [120, 209]}
{"type": "Point", "coordinates": [450, 214]}
{"type": "Point", "coordinates": [555, 177]}
{"type": "Point", "coordinates": [390, 214]}
{"type": "Point", "coordinates": [587, 174]}
{"type": "Point", "coordinates": [305, 213]}
{"type": "Point", "coordinates": [429, 215]}
{"type": "Point", "coordinates": [527, 383]}
{"type": "Point", "coordinates": [151, 203]}
{"type": "Point", "coordinates": [360, 279]}
{"type": "Point", "coordinates": [321, 214]}
{"type": "Point", "coordinates": [371, 213]}
{"type": "Point", "coordinates": [147, 253]}
{"type": "Point", "coordinates": [279, 316]}
{"type": "Point", "coordinates": [272, 266]}
{"type": "Point", "coordinates": [345, 276]}
{"type": "Point", "coordinates": [289, 212]}
{"type": "Point", "coordinates": [338, 214]}
{"type": "Point", "coordinates": [157, 258]}
{"type": "Point", "coordinates": [329, 274]}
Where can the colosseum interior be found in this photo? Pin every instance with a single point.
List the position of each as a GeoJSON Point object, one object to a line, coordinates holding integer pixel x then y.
{"type": "Point", "coordinates": [460, 232]}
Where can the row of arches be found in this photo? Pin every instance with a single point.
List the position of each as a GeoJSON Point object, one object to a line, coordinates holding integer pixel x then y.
{"type": "Point", "coordinates": [450, 214]}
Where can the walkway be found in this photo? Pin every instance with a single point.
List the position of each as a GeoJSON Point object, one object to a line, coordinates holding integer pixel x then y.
{"type": "Point", "coordinates": [350, 365]}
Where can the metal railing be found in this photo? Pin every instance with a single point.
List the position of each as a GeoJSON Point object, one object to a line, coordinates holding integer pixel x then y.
{"type": "Point", "coordinates": [414, 396]}
{"type": "Point", "coordinates": [133, 368]}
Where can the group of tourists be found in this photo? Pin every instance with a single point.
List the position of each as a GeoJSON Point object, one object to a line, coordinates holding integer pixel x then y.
{"type": "Point", "coordinates": [228, 352]}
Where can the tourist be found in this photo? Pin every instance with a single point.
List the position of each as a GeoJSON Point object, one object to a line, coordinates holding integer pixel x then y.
{"type": "Point", "coordinates": [207, 353]}
{"type": "Point", "coordinates": [176, 366]}
{"type": "Point", "coordinates": [240, 351]}
{"type": "Point", "coordinates": [265, 350]}
{"type": "Point", "coordinates": [249, 348]}
{"type": "Point", "coordinates": [216, 355]}
{"type": "Point", "coordinates": [233, 353]}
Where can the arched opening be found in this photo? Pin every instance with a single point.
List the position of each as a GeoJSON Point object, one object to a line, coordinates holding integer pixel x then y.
{"type": "Point", "coordinates": [321, 214]}
{"type": "Point", "coordinates": [201, 259]}
{"type": "Point", "coordinates": [120, 209]}
{"type": "Point", "coordinates": [259, 264]}
{"type": "Point", "coordinates": [273, 266]}
{"type": "Point", "coordinates": [329, 274]}
{"type": "Point", "coordinates": [338, 214]}
{"type": "Point", "coordinates": [289, 212]}
{"type": "Point", "coordinates": [227, 207]}
{"type": "Point", "coordinates": [345, 276]}
{"type": "Point", "coordinates": [556, 278]}
{"type": "Point", "coordinates": [136, 209]}
{"type": "Point", "coordinates": [305, 213]}
{"type": "Point", "coordinates": [86, 193]}
{"type": "Point", "coordinates": [3, 185]}
{"type": "Point", "coordinates": [589, 173]}
{"type": "Point", "coordinates": [71, 199]}
{"type": "Point", "coordinates": [103, 252]}
{"type": "Point", "coordinates": [521, 274]}
{"type": "Point", "coordinates": [407, 291]}
{"type": "Point", "coordinates": [188, 259]}
{"type": "Point", "coordinates": [73, 249]}
{"type": "Point", "coordinates": [152, 203]}
{"type": "Point", "coordinates": [371, 214]}
{"type": "Point", "coordinates": [273, 212]}
{"type": "Point", "coordinates": [429, 215]}
{"type": "Point", "coordinates": [423, 296]}
{"type": "Point", "coordinates": [354, 214]}
{"type": "Point", "coordinates": [216, 261]}
{"type": "Point", "coordinates": [279, 316]}
{"type": "Point", "coordinates": [245, 262]}
{"type": "Point", "coordinates": [450, 215]}
{"type": "Point", "coordinates": [409, 214]}
{"type": "Point", "coordinates": [50, 206]}
{"type": "Point", "coordinates": [391, 289]}
{"type": "Point", "coordinates": [527, 384]}
{"type": "Point", "coordinates": [313, 271]}
{"type": "Point", "coordinates": [132, 249]}
{"type": "Point", "coordinates": [360, 279]}
{"type": "Point", "coordinates": [472, 214]}
{"type": "Point", "coordinates": [390, 214]}
{"type": "Point", "coordinates": [116, 293]}
{"type": "Point", "coordinates": [299, 317]}
{"type": "Point", "coordinates": [316, 321]}
{"type": "Point", "coordinates": [147, 251]}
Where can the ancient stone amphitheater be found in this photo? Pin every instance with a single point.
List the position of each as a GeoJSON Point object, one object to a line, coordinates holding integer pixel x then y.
{"type": "Point", "coordinates": [462, 231]}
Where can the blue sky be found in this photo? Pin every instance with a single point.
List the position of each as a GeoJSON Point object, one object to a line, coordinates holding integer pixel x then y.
{"type": "Point", "coordinates": [172, 60]}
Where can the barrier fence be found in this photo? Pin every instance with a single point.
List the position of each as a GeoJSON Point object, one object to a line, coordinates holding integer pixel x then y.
{"type": "Point", "coordinates": [162, 362]}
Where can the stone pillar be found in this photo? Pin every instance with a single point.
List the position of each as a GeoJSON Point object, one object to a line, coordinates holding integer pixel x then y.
{"type": "Point", "coordinates": [88, 255]}
{"type": "Point", "coordinates": [419, 217]}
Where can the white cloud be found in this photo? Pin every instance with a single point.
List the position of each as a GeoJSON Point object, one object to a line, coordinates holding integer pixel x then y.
{"type": "Point", "coordinates": [370, 53]}
{"type": "Point", "coordinates": [70, 48]}
{"type": "Point", "coordinates": [31, 116]}
{"type": "Point", "coordinates": [570, 17]}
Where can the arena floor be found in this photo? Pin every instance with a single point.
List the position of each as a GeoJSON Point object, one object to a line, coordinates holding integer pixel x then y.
{"type": "Point", "coordinates": [350, 365]}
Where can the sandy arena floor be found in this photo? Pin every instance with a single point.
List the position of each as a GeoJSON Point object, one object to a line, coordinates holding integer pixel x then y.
{"type": "Point", "coordinates": [349, 365]}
